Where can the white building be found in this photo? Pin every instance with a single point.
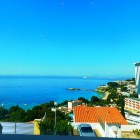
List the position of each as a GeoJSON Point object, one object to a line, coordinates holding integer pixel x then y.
{"type": "Point", "coordinates": [125, 94]}
{"type": "Point", "coordinates": [137, 78]}
{"type": "Point", "coordinates": [72, 104]}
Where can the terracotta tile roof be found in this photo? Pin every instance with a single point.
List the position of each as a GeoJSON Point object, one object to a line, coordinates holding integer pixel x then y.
{"type": "Point", "coordinates": [94, 114]}
{"type": "Point", "coordinates": [78, 101]}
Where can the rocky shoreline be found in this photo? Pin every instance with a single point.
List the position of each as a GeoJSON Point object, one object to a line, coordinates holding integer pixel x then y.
{"type": "Point", "coordinates": [99, 89]}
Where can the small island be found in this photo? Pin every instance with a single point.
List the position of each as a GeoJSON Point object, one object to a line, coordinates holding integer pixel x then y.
{"type": "Point", "coordinates": [73, 88]}
{"type": "Point", "coordinates": [82, 89]}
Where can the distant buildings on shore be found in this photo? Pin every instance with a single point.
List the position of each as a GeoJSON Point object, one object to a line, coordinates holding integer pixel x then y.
{"type": "Point", "coordinates": [134, 103]}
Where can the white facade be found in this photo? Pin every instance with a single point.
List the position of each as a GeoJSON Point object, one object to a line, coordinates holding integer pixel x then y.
{"type": "Point", "coordinates": [137, 78]}
{"type": "Point", "coordinates": [70, 105]}
{"type": "Point", "coordinates": [74, 103]}
{"type": "Point", "coordinates": [111, 128]}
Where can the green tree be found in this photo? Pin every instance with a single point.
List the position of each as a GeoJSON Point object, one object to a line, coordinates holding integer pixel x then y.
{"type": "Point", "coordinates": [17, 114]}
{"type": "Point", "coordinates": [64, 103]}
{"type": "Point", "coordinates": [132, 79]}
{"type": "Point", "coordinates": [113, 94]}
{"type": "Point", "coordinates": [3, 113]}
{"type": "Point", "coordinates": [120, 100]}
{"type": "Point", "coordinates": [14, 109]}
{"type": "Point", "coordinates": [134, 95]}
{"type": "Point", "coordinates": [50, 104]}
{"type": "Point", "coordinates": [63, 128]}
{"type": "Point", "coordinates": [113, 85]}
{"type": "Point", "coordinates": [94, 99]}
{"type": "Point", "coordinates": [47, 126]}
{"type": "Point", "coordinates": [123, 89]}
{"type": "Point", "coordinates": [29, 115]}
{"type": "Point", "coordinates": [60, 115]}
{"type": "Point", "coordinates": [37, 112]}
{"type": "Point", "coordinates": [122, 109]}
{"type": "Point", "coordinates": [102, 102]}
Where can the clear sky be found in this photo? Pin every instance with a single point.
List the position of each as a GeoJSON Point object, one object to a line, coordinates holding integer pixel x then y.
{"type": "Point", "coordinates": [69, 37]}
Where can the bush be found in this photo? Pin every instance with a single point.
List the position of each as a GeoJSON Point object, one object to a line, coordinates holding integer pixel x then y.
{"type": "Point", "coordinates": [63, 128]}
{"type": "Point", "coordinates": [136, 131]}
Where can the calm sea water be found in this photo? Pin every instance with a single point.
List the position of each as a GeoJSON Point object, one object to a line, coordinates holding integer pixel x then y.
{"type": "Point", "coordinates": [33, 90]}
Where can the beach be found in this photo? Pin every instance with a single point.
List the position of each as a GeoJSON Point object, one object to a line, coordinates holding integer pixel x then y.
{"type": "Point", "coordinates": [106, 95]}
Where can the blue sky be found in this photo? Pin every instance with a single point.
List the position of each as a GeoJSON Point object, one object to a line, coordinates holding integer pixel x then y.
{"type": "Point", "coordinates": [69, 37]}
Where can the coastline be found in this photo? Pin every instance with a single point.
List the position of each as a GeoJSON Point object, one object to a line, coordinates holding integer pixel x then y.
{"type": "Point", "coordinates": [106, 95]}
{"type": "Point", "coordinates": [45, 89]}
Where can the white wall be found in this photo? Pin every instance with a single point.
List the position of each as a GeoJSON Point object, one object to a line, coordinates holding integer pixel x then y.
{"type": "Point", "coordinates": [126, 127]}
{"type": "Point", "coordinates": [111, 133]}
{"type": "Point", "coordinates": [21, 128]}
{"type": "Point", "coordinates": [111, 129]}
{"type": "Point", "coordinates": [69, 105]}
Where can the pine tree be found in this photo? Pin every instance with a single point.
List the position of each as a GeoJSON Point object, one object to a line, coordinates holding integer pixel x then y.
{"type": "Point", "coordinates": [122, 108]}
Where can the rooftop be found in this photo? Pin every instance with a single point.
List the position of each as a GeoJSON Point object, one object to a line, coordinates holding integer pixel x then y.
{"type": "Point", "coordinates": [136, 99]}
{"type": "Point", "coordinates": [94, 114]}
{"type": "Point", "coordinates": [78, 101]}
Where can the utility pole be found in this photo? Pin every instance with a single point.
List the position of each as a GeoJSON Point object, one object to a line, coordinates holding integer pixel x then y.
{"type": "Point", "coordinates": [55, 104]}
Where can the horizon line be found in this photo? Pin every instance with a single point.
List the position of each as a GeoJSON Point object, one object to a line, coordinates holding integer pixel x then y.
{"type": "Point", "coordinates": [88, 76]}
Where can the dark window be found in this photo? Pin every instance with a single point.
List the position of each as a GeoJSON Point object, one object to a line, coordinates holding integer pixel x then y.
{"type": "Point", "coordinates": [86, 129]}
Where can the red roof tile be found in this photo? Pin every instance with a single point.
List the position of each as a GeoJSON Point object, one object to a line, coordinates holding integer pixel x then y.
{"type": "Point", "coordinates": [78, 101]}
{"type": "Point", "coordinates": [94, 114]}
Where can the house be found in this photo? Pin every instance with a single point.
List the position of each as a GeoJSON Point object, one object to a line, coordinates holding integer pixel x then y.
{"type": "Point", "coordinates": [101, 118]}
{"type": "Point", "coordinates": [85, 114]}
{"type": "Point", "coordinates": [72, 104]}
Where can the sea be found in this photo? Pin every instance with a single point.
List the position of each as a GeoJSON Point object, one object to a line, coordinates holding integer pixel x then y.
{"type": "Point", "coordinates": [29, 91]}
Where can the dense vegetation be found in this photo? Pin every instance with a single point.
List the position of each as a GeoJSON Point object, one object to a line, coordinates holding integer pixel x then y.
{"type": "Point", "coordinates": [17, 114]}
{"type": "Point", "coordinates": [47, 125]}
